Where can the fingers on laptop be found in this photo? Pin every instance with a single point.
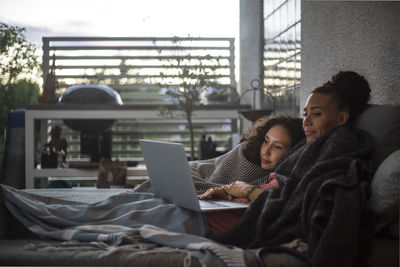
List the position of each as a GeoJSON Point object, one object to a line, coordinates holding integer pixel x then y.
{"type": "Point", "coordinates": [215, 192]}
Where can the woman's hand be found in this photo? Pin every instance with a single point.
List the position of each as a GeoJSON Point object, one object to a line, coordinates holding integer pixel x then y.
{"type": "Point", "coordinates": [215, 192]}
{"type": "Point", "coordinates": [238, 189]}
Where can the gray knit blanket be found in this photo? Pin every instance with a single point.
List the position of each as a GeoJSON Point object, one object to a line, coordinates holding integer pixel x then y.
{"type": "Point", "coordinates": [122, 222]}
{"type": "Point", "coordinates": [225, 169]}
{"type": "Point", "coordinates": [324, 186]}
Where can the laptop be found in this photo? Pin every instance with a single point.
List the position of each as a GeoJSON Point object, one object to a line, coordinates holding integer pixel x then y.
{"type": "Point", "coordinates": [170, 177]}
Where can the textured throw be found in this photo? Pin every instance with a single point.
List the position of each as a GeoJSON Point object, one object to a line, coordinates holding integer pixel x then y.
{"type": "Point", "coordinates": [324, 185]}
{"type": "Point", "coordinates": [225, 169]}
{"type": "Point", "coordinates": [120, 222]}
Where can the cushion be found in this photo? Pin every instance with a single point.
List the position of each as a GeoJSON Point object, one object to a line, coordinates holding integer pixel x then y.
{"type": "Point", "coordinates": [383, 123]}
{"type": "Point", "coordinates": [385, 185]}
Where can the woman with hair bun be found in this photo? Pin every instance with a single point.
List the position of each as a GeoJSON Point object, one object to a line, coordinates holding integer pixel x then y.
{"type": "Point", "coordinates": [323, 184]}
{"type": "Point", "coordinates": [338, 101]}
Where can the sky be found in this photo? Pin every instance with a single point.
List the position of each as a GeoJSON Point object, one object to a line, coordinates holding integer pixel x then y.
{"type": "Point", "coordinates": [122, 18]}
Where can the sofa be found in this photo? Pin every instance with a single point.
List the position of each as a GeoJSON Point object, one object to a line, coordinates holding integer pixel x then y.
{"type": "Point", "coordinates": [382, 121]}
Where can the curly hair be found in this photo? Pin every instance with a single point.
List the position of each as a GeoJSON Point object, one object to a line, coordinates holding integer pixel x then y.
{"type": "Point", "coordinates": [255, 136]}
{"type": "Point", "coordinates": [349, 90]}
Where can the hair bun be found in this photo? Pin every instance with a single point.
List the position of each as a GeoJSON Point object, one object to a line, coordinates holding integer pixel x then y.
{"type": "Point", "coordinates": [354, 86]}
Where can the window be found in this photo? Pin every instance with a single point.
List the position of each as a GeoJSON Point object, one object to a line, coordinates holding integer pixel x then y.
{"type": "Point", "coordinates": [282, 54]}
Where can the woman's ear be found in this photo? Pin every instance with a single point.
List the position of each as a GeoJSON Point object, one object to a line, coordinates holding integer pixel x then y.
{"type": "Point", "coordinates": [343, 117]}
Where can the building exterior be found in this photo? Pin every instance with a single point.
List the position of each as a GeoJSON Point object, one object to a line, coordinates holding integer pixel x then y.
{"type": "Point", "coordinates": [362, 36]}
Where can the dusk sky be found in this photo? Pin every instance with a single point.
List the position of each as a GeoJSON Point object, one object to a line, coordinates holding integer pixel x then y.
{"type": "Point", "coordinates": [131, 18]}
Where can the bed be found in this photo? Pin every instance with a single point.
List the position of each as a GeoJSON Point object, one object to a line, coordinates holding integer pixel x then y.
{"type": "Point", "coordinates": [382, 121]}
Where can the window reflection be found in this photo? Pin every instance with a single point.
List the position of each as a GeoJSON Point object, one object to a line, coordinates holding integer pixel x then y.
{"type": "Point", "coordinates": [282, 54]}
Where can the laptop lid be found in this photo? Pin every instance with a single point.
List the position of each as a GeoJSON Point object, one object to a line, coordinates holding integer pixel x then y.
{"type": "Point", "coordinates": [170, 177]}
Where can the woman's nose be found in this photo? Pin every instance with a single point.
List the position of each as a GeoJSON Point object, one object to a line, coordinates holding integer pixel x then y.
{"type": "Point", "coordinates": [307, 120]}
{"type": "Point", "coordinates": [267, 150]}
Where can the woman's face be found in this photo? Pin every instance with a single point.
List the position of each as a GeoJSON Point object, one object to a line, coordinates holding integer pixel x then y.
{"type": "Point", "coordinates": [320, 115]}
{"type": "Point", "coordinates": [276, 144]}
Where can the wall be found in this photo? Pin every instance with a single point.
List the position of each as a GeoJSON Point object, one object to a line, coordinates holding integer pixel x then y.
{"type": "Point", "coordinates": [352, 35]}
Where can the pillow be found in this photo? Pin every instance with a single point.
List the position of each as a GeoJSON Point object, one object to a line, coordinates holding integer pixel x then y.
{"type": "Point", "coordinates": [383, 123]}
{"type": "Point", "coordinates": [385, 185]}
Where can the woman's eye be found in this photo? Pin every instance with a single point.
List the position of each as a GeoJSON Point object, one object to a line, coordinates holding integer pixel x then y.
{"type": "Point", "coordinates": [304, 115]}
{"type": "Point", "coordinates": [278, 147]}
{"type": "Point", "coordinates": [266, 141]}
{"type": "Point", "coordinates": [316, 114]}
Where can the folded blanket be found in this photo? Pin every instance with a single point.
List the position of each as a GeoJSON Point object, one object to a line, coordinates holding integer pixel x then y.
{"type": "Point", "coordinates": [324, 185]}
{"type": "Point", "coordinates": [225, 169]}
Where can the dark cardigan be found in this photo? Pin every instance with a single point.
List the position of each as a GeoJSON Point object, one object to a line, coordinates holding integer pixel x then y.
{"type": "Point", "coordinates": [324, 186]}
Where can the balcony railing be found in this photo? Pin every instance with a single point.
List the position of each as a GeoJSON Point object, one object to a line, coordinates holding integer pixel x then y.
{"type": "Point", "coordinates": [137, 68]}
{"type": "Point", "coordinates": [141, 69]}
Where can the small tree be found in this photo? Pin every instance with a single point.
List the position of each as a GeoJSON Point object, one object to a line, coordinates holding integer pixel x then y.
{"type": "Point", "coordinates": [18, 63]}
{"type": "Point", "coordinates": [194, 81]}
{"type": "Point", "coordinates": [17, 55]}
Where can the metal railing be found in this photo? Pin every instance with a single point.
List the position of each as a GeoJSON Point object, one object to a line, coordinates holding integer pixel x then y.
{"type": "Point", "coordinates": [138, 68]}
{"type": "Point", "coordinates": [141, 69]}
